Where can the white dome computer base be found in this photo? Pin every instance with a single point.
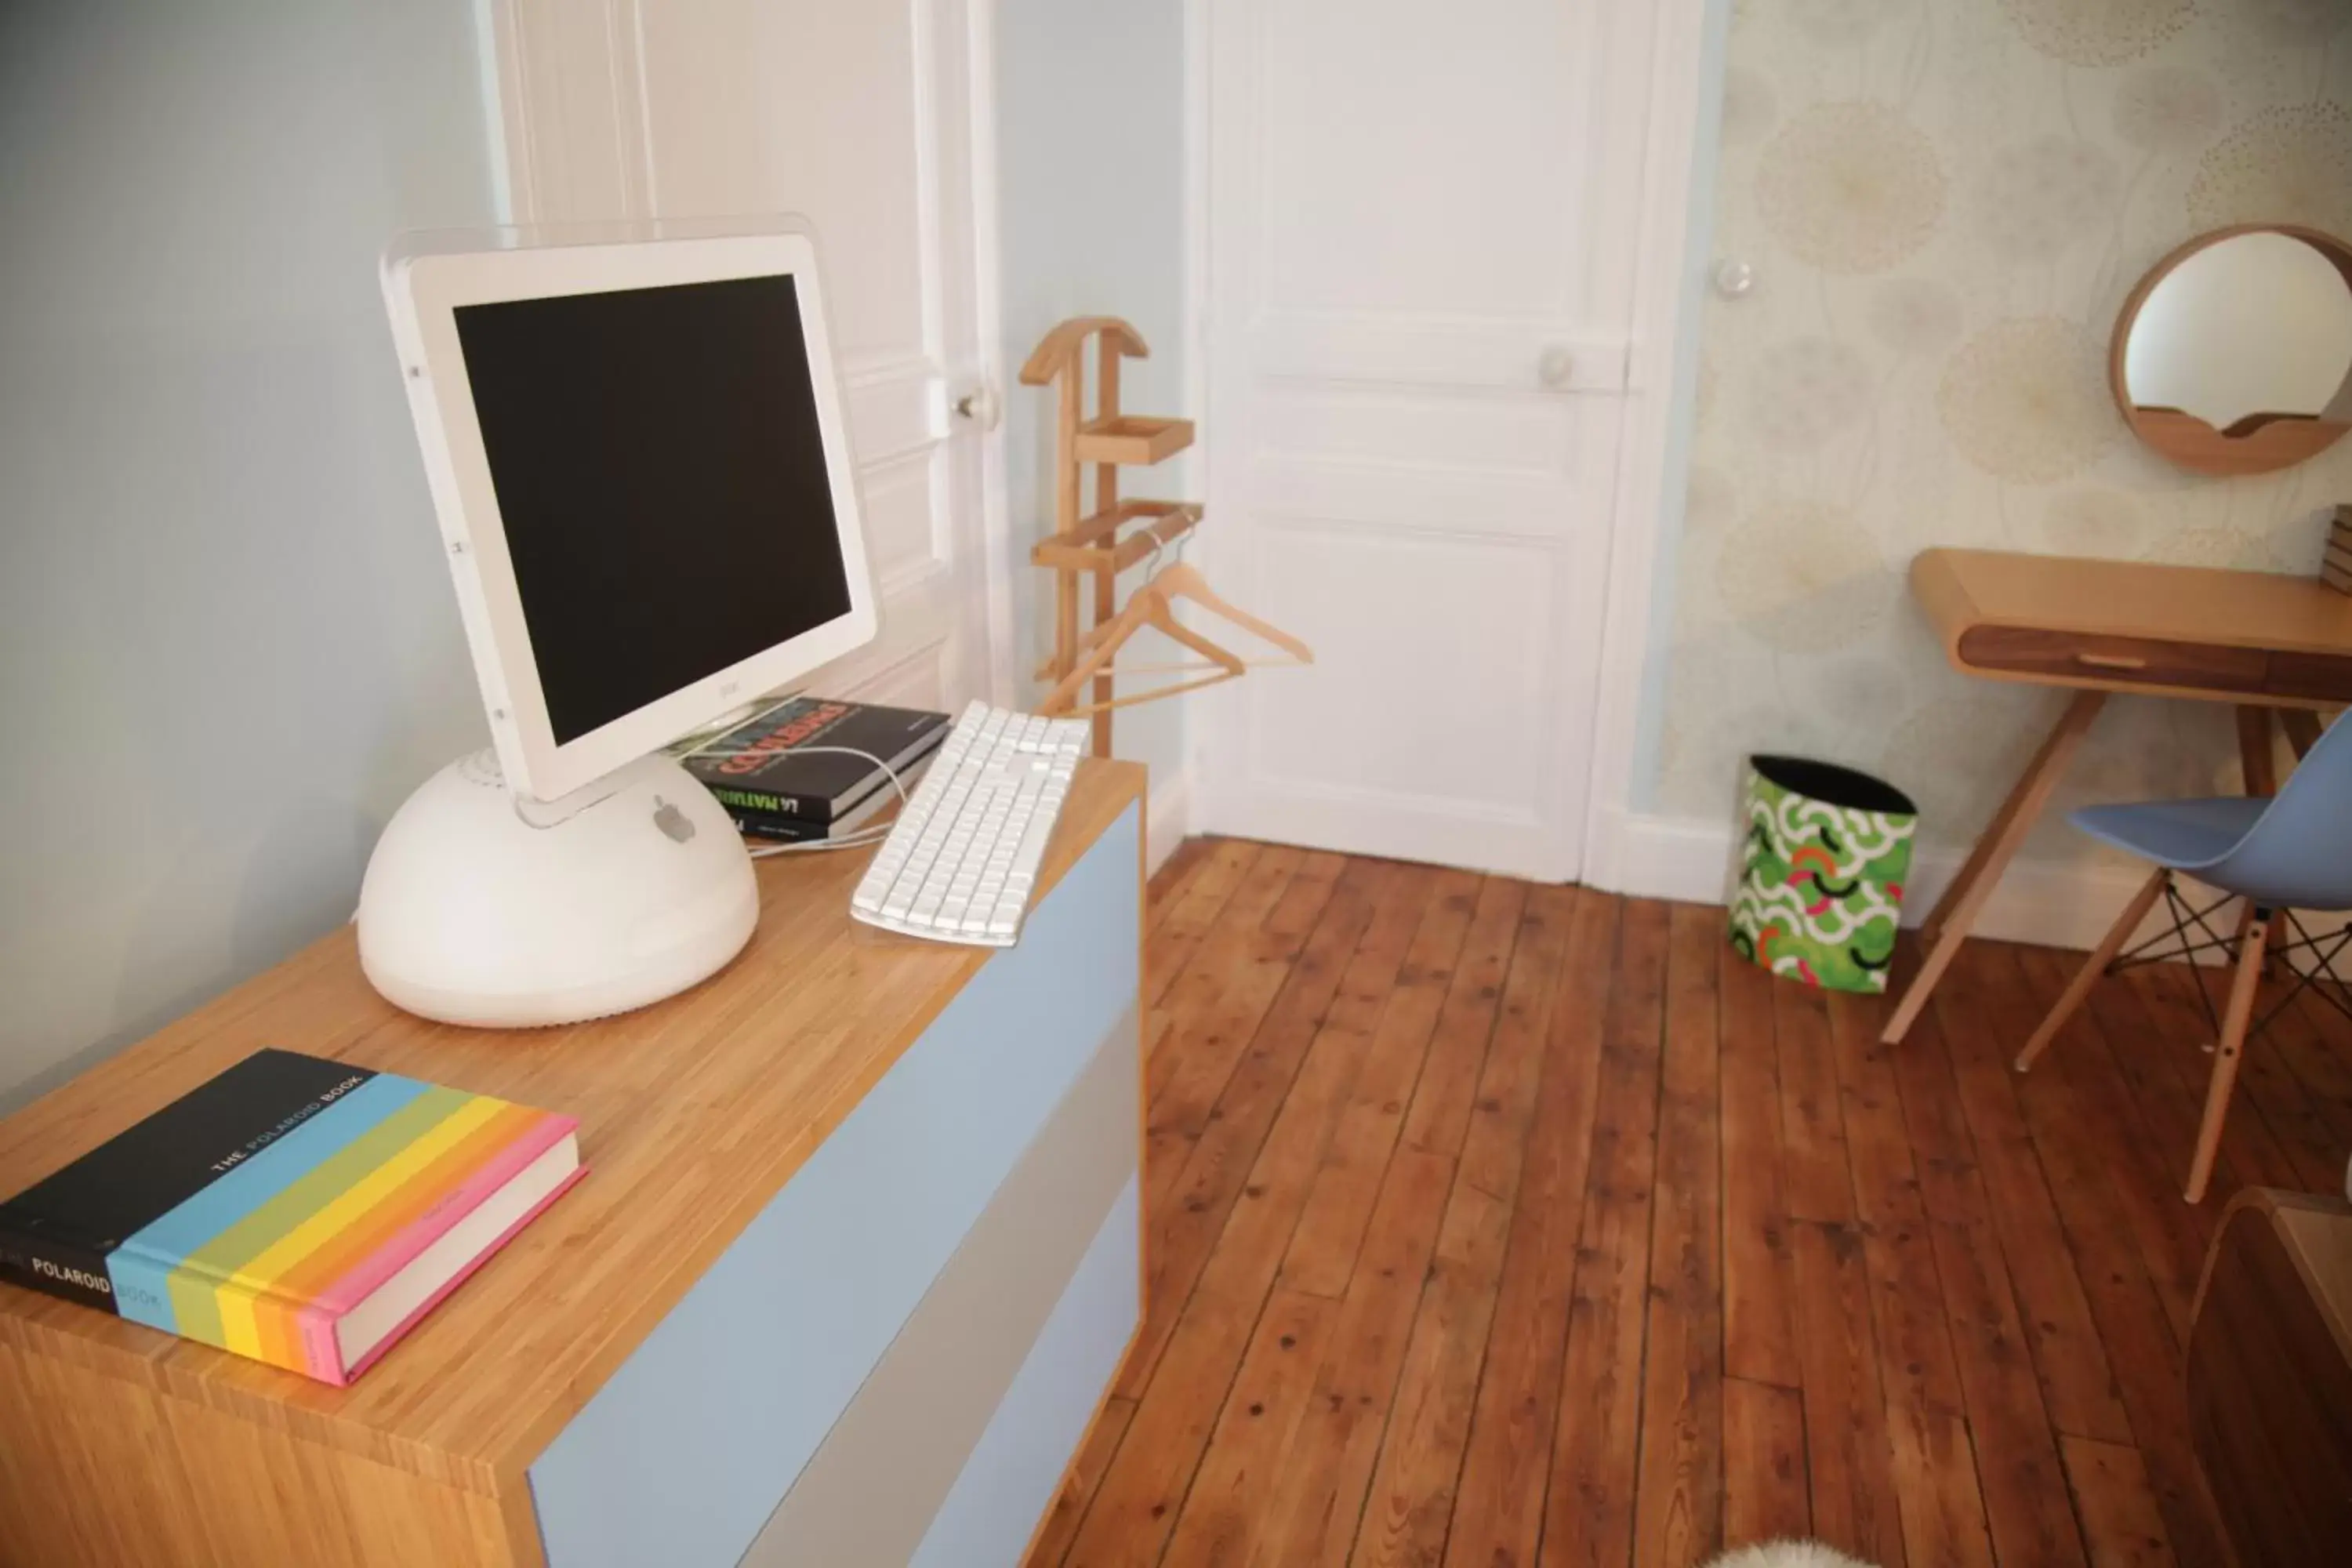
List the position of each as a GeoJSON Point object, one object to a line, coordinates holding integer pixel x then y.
{"type": "Point", "coordinates": [471, 915]}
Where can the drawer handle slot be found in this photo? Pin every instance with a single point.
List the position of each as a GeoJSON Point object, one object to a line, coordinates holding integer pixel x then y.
{"type": "Point", "coordinates": [2111, 660]}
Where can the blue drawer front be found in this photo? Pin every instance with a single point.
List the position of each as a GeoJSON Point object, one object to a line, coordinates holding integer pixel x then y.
{"type": "Point", "coordinates": [1009, 1482]}
{"type": "Point", "coordinates": [681, 1456]}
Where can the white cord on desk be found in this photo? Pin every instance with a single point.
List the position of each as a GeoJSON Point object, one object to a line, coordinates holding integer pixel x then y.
{"type": "Point", "coordinates": [856, 840]}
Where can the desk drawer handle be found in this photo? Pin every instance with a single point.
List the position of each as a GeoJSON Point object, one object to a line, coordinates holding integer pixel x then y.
{"type": "Point", "coordinates": [2111, 660]}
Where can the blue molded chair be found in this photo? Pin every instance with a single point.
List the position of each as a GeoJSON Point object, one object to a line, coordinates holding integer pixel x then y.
{"type": "Point", "coordinates": [2290, 852]}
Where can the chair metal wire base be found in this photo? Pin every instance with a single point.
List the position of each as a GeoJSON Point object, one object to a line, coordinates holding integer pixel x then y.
{"type": "Point", "coordinates": [2318, 975]}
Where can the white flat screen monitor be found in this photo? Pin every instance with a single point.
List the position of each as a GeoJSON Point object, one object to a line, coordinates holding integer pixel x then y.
{"type": "Point", "coordinates": [638, 457]}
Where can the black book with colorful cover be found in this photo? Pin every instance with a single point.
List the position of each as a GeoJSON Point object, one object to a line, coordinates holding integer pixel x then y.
{"type": "Point", "coordinates": [772, 784]}
{"type": "Point", "coordinates": [299, 1211]}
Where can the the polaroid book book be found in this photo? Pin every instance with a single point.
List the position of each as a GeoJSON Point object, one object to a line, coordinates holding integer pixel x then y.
{"type": "Point", "coordinates": [299, 1211]}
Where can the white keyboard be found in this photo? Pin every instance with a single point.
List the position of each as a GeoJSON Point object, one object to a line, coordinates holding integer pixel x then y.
{"type": "Point", "coordinates": [961, 860]}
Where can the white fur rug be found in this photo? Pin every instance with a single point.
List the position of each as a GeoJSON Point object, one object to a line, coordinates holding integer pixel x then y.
{"type": "Point", "coordinates": [1787, 1554]}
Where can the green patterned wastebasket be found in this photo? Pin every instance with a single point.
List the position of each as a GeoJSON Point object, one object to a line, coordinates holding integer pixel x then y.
{"type": "Point", "coordinates": [1821, 884]}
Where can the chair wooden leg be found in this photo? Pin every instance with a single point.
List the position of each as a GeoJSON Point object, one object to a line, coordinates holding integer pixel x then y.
{"type": "Point", "coordinates": [2232, 1045]}
{"type": "Point", "coordinates": [2093, 967]}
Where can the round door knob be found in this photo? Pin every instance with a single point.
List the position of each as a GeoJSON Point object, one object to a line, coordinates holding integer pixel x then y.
{"type": "Point", "coordinates": [1557, 368]}
{"type": "Point", "coordinates": [979, 406]}
{"type": "Point", "coordinates": [1734, 278]}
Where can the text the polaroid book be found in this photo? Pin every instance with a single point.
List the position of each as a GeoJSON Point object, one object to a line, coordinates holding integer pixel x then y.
{"type": "Point", "coordinates": [299, 1211]}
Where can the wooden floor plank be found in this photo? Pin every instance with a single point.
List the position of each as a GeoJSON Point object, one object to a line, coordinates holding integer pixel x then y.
{"type": "Point", "coordinates": [1273, 999]}
{"type": "Point", "coordinates": [1626, 1250]}
{"type": "Point", "coordinates": [1323, 1479]}
{"type": "Point", "coordinates": [1301, 904]}
{"type": "Point", "coordinates": [1410, 1498]}
{"type": "Point", "coordinates": [1766, 1494]}
{"type": "Point", "coordinates": [1984, 1027]}
{"type": "Point", "coordinates": [1493, 1146]}
{"type": "Point", "coordinates": [2320, 1070]}
{"type": "Point", "coordinates": [2026, 1501]}
{"type": "Point", "coordinates": [1678, 1488]}
{"type": "Point", "coordinates": [1194, 914]}
{"type": "Point", "coordinates": [1439, 1115]}
{"type": "Point", "coordinates": [1277, 1167]}
{"type": "Point", "coordinates": [1847, 1448]}
{"type": "Point", "coordinates": [1233, 1490]}
{"type": "Point", "coordinates": [2127, 1306]}
{"type": "Point", "coordinates": [2089, 1130]}
{"type": "Point", "coordinates": [1759, 1267]}
{"type": "Point", "coordinates": [1907, 1297]}
{"type": "Point", "coordinates": [2143, 1056]}
{"type": "Point", "coordinates": [1219, 964]}
{"type": "Point", "coordinates": [2318, 1049]}
{"type": "Point", "coordinates": [1420, 1464]}
{"type": "Point", "coordinates": [1499, 1516]}
{"type": "Point", "coordinates": [1588, 1514]}
{"type": "Point", "coordinates": [2120, 1517]}
{"type": "Point", "coordinates": [1815, 1184]}
{"type": "Point", "coordinates": [1323, 1249]}
{"type": "Point", "coordinates": [1933, 1460]}
{"type": "Point", "coordinates": [1174, 880]}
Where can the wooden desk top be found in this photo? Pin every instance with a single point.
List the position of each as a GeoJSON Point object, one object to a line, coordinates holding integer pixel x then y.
{"type": "Point", "coordinates": [2001, 600]}
{"type": "Point", "coordinates": [693, 1114]}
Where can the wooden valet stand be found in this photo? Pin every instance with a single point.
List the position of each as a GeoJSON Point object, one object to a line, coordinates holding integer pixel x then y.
{"type": "Point", "coordinates": [1117, 535]}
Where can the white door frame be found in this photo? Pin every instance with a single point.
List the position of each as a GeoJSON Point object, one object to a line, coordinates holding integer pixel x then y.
{"type": "Point", "coordinates": [1685, 83]}
{"type": "Point", "coordinates": [1678, 202]}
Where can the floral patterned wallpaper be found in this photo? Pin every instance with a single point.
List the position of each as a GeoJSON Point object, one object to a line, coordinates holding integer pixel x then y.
{"type": "Point", "coordinates": [1945, 203]}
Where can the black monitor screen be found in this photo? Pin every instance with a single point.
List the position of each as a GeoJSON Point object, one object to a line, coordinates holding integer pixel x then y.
{"type": "Point", "coordinates": [662, 479]}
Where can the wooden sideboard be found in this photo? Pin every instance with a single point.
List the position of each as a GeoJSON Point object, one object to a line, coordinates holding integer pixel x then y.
{"type": "Point", "coordinates": [857, 1258]}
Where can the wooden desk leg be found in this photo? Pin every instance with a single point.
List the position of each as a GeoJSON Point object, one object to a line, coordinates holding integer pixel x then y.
{"type": "Point", "coordinates": [2256, 754]}
{"type": "Point", "coordinates": [2301, 726]}
{"type": "Point", "coordinates": [1958, 910]}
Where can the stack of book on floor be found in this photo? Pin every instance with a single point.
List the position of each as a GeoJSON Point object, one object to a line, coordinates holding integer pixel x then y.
{"type": "Point", "coordinates": [2336, 566]}
{"type": "Point", "coordinates": [302, 1212]}
{"type": "Point", "coordinates": [806, 769]}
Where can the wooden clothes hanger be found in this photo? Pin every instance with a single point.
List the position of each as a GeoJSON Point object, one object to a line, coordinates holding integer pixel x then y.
{"type": "Point", "coordinates": [1148, 606]}
{"type": "Point", "coordinates": [1152, 606]}
{"type": "Point", "coordinates": [1183, 581]}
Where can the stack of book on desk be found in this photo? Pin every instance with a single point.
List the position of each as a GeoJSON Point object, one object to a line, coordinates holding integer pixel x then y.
{"type": "Point", "coordinates": [796, 772]}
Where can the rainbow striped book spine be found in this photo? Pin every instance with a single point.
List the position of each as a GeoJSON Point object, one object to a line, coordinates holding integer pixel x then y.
{"type": "Point", "coordinates": [320, 1184]}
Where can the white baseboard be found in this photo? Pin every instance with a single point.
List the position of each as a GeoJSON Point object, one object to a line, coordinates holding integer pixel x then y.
{"type": "Point", "coordinates": [1170, 820]}
{"type": "Point", "coordinates": [2056, 905]}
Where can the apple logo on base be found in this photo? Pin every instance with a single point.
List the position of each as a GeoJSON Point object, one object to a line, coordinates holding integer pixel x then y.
{"type": "Point", "coordinates": [672, 821]}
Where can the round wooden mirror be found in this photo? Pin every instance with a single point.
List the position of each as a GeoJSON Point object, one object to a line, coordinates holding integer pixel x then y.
{"type": "Point", "coordinates": [2234, 354]}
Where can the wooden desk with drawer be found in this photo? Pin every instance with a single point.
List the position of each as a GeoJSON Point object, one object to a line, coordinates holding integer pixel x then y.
{"type": "Point", "coordinates": [2267, 642]}
{"type": "Point", "coordinates": [857, 1258]}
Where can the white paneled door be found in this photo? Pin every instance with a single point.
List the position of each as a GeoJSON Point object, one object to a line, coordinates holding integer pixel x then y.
{"type": "Point", "coordinates": [860, 118]}
{"type": "Point", "coordinates": [1420, 238]}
